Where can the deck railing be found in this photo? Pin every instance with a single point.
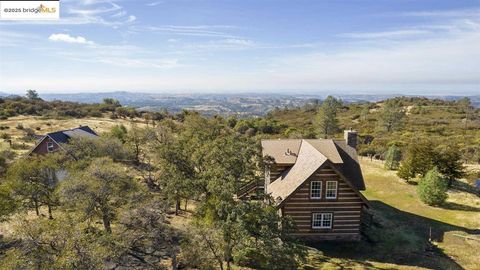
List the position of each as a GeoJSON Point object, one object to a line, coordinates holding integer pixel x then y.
{"type": "Point", "coordinates": [249, 188]}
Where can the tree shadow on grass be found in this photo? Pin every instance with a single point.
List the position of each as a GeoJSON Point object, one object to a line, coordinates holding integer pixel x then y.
{"type": "Point", "coordinates": [461, 207]}
{"type": "Point", "coordinates": [465, 187]}
{"type": "Point", "coordinates": [397, 237]}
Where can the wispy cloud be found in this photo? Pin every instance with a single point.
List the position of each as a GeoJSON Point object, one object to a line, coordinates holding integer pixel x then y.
{"type": "Point", "coordinates": [138, 63]}
{"type": "Point", "coordinates": [131, 18]}
{"type": "Point", "coordinates": [126, 56]}
{"type": "Point", "coordinates": [386, 34]}
{"type": "Point", "coordinates": [441, 62]}
{"type": "Point", "coordinates": [424, 31]}
{"type": "Point", "coordinates": [70, 39]}
{"type": "Point", "coordinates": [119, 14]}
{"type": "Point", "coordinates": [94, 11]}
{"type": "Point", "coordinates": [156, 3]}
{"type": "Point", "coordinates": [473, 12]}
{"type": "Point", "coordinates": [122, 60]}
{"type": "Point", "coordinates": [191, 30]}
{"type": "Point", "coordinates": [15, 38]}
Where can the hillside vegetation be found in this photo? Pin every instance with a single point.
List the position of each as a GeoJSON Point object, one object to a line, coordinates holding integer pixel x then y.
{"type": "Point", "coordinates": [444, 122]}
{"type": "Point", "coordinates": [158, 191]}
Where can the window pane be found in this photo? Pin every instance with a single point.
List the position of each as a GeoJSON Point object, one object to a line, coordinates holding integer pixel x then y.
{"type": "Point", "coordinates": [315, 189]}
{"type": "Point", "coordinates": [331, 191]}
{"type": "Point", "coordinates": [316, 220]}
{"type": "Point", "coordinates": [327, 221]}
{"type": "Point", "coordinates": [322, 220]}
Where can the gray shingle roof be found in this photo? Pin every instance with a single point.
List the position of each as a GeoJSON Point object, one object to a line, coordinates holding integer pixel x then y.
{"type": "Point", "coordinates": [351, 167]}
{"type": "Point", "coordinates": [64, 135]}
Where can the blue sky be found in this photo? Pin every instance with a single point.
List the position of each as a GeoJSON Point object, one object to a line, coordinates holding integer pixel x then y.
{"type": "Point", "coordinates": [303, 46]}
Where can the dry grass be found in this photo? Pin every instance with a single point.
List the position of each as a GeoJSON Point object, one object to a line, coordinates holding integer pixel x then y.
{"type": "Point", "coordinates": [462, 210]}
{"type": "Point", "coordinates": [401, 229]}
{"type": "Point", "coordinates": [387, 187]}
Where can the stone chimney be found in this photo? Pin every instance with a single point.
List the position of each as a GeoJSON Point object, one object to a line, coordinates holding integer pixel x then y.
{"type": "Point", "coordinates": [351, 137]}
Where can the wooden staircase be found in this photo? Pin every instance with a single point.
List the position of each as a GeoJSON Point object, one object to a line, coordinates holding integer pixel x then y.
{"type": "Point", "coordinates": [251, 190]}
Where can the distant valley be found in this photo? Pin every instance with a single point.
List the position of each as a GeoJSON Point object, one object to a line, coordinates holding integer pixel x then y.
{"type": "Point", "coordinates": [241, 104]}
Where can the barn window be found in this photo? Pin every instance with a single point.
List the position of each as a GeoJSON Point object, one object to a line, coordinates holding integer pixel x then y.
{"type": "Point", "coordinates": [50, 147]}
{"type": "Point", "coordinates": [331, 190]}
{"type": "Point", "coordinates": [322, 220]}
{"type": "Point", "coordinates": [315, 189]}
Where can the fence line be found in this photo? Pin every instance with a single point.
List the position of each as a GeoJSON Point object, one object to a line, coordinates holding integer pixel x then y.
{"type": "Point", "coordinates": [372, 159]}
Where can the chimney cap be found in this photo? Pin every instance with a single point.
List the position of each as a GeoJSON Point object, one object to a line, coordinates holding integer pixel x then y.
{"type": "Point", "coordinates": [350, 137]}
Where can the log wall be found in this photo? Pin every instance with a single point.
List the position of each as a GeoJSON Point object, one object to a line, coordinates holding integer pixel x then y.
{"type": "Point", "coordinates": [346, 209]}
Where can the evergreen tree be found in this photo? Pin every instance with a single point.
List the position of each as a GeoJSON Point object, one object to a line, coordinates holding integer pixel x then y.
{"type": "Point", "coordinates": [327, 116]}
{"type": "Point", "coordinates": [419, 159]}
{"type": "Point", "coordinates": [33, 95]}
{"type": "Point", "coordinates": [449, 164]}
{"type": "Point", "coordinates": [393, 157]}
{"type": "Point", "coordinates": [391, 115]}
{"type": "Point", "coordinates": [432, 189]}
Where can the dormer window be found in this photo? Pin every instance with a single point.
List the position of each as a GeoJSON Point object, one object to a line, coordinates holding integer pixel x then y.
{"type": "Point", "coordinates": [50, 147]}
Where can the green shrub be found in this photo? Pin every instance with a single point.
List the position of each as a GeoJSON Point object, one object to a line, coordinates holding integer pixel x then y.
{"type": "Point", "coordinates": [432, 188]}
{"type": "Point", "coordinates": [5, 136]}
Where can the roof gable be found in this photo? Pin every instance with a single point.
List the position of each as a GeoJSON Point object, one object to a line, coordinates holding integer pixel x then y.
{"type": "Point", "coordinates": [307, 156]}
{"type": "Point", "coordinates": [308, 161]}
{"type": "Point", "coordinates": [327, 148]}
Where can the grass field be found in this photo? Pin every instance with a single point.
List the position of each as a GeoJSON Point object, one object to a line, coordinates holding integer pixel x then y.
{"type": "Point", "coordinates": [398, 235]}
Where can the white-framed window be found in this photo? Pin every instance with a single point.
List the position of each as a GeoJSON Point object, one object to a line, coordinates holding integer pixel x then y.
{"type": "Point", "coordinates": [50, 147]}
{"type": "Point", "coordinates": [322, 220]}
{"type": "Point", "coordinates": [331, 190]}
{"type": "Point", "coordinates": [316, 189]}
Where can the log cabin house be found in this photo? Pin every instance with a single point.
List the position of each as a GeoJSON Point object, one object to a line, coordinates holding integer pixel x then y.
{"type": "Point", "coordinates": [317, 183]}
{"type": "Point", "coordinates": [53, 141]}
